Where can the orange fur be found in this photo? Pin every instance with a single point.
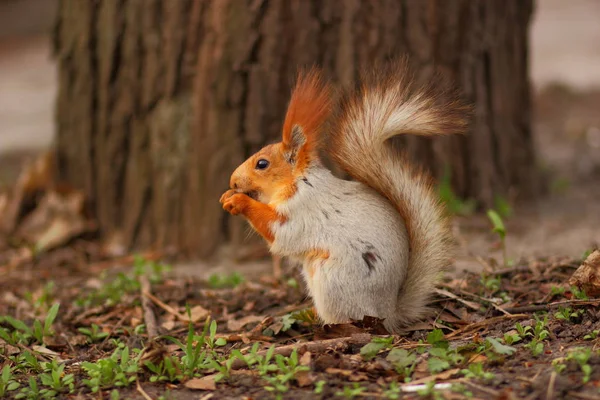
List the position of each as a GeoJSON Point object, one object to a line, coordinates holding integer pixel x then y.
{"type": "Point", "coordinates": [260, 215]}
{"type": "Point", "coordinates": [313, 256]}
{"type": "Point", "coordinates": [271, 186]}
{"type": "Point", "coordinates": [309, 108]}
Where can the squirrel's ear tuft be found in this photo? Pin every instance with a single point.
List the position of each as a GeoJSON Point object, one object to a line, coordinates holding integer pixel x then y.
{"type": "Point", "coordinates": [309, 108]}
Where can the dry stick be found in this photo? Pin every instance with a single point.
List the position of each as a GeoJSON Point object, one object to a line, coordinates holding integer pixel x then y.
{"type": "Point", "coordinates": [548, 306]}
{"type": "Point", "coordinates": [149, 316]}
{"type": "Point", "coordinates": [483, 299]}
{"type": "Point", "coordinates": [166, 307]}
{"type": "Point", "coordinates": [550, 391]}
{"type": "Point", "coordinates": [486, 322]}
{"type": "Point", "coordinates": [450, 295]}
{"type": "Point", "coordinates": [142, 391]}
{"type": "Point", "coordinates": [320, 346]}
{"type": "Point", "coordinates": [483, 389]}
{"type": "Point", "coordinates": [582, 396]}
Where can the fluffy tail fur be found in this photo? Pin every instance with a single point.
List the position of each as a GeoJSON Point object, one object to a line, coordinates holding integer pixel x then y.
{"type": "Point", "coordinates": [388, 103]}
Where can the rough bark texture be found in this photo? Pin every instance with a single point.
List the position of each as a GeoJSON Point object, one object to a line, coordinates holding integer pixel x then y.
{"type": "Point", "coordinates": [161, 99]}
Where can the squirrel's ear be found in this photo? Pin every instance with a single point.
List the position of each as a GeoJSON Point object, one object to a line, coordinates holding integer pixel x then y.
{"type": "Point", "coordinates": [296, 142]}
{"type": "Point", "coordinates": [309, 107]}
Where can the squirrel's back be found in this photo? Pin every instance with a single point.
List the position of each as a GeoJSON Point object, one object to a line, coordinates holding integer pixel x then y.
{"type": "Point", "coordinates": [388, 103]}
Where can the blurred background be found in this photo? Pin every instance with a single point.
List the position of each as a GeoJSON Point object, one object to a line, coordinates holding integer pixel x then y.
{"type": "Point", "coordinates": [564, 71]}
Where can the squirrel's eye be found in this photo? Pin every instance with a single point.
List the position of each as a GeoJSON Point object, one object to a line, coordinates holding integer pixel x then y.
{"type": "Point", "coordinates": [262, 164]}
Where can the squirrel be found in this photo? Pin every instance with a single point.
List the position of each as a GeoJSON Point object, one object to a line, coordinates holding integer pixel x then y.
{"type": "Point", "coordinates": [372, 246]}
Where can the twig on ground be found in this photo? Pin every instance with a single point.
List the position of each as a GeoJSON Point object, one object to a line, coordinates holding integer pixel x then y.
{"type": "Point", "coordinates": [550, 391]}
{"type": "Point", "coordinates": [470, 304]}
{"type": "Point", "coordinates": [548, 306]}
{"type": "Point", "coordinates": [142, 391]}
{"type": "Point", "coordinates": [494, 393]}
{"type": "Point", "coordinates": [582, 396]}
{"type": "Point", "coordinates": [484, 300]}
{"type": "Point", "coordinates": [149, 317]}
{"type": "Point", "coordinates": [338, 344]}
{"type": "Point", "coordinates": [166, 307]}
{"type": "Point", "coordinates": [486, 322]}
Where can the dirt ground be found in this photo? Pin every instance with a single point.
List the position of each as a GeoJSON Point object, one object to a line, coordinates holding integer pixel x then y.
{"type": "Point", "coordinates": [501, 329]}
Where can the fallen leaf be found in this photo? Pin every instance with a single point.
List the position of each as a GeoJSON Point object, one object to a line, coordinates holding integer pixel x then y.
{"type": "Point", "coordinates": [56, 219]}
{"type": "Point", "coordinates": [305, 378]}
{"type": "Point", "coordinates": [35, 177]}
{"type": "Point", "coordinates": [353, 376]}
{"type": "Point", "coordinates": [45, 351]}
{"type": "Point", "coordinates": [587, 276]}
{"type": "Point", "coordinates": [168, 325]}
{"type": "Point", "coordinates": [306, 358]}
{"type": "Point", "coordinates": [235, 325]}
{"type": "Point", "coordinates": [205, 383]}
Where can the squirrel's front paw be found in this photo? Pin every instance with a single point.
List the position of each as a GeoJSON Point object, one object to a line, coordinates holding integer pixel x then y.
{"type": "Point", "coordinates": [226, 195]}
{"type": "Point", "coordinates": [234, 203]}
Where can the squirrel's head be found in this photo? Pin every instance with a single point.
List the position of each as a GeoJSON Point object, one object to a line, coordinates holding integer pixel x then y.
{"type": "Point", "coordinates": [270, 175]}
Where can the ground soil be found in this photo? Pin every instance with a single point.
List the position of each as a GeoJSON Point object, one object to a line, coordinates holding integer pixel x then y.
{"type": "Point", "coordinates": [546, 241]}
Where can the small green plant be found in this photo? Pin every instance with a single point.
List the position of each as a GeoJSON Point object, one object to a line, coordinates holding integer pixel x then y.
{"type": "Point", "coordinates": [430, 392]}
{"type": "Point", "coordinates": [169, 370]}
{"type": "Point", "coordinates": [94, 333]}
{"type": "Point", "coordinates": [581, 356]}
{"type": "Point", "coordinates": [351, 392]}
{"type": "Point", "coordinates": [44, 300]}
{"type": "Point", "coordinates": [195, 357]}
{"type": "Point", "coordinates": [502, 206]}
{"type": "Point", "coordinates": [539, 333]}
{"type": "Point", "coordinates": [23, 334]}
{"type": "Point", "coordinates": [370, 350]}
{"type": "Point", "coordinates": [441, 357]}
{"type": "Point", "coordinates": [117, 370]}
{"type": "Point", "coordinates": [568, 314]}
{"type": "Point", "coordinates": [8, 382]}
{"type": "Point", "coordinates": [511, 338]}
{"type": "Point", "coordinates": [491, 283]}
{"type": "Point", "coordinates": [557, 291]}
{"type": "Point", "coordinates": [287, 368]}
{"type": "Point", "coordinates": [523, 331]}
{"type": "Point", "coordinates": [216, 281]}
{"type": "Point", "coordinates": [592, 335]}
{"type": "Point", "coordinates": [500, 348]}
{"type": "Point", "coordinates": [32, 391]}
{"type": "Point", "coordinates": [499, 228]}
{"type": "Point", "coordinates": [475, 370]}
{"type": "Point", "coordinates": [28, 362]}
{"type": "Point", "coordinates": [393, 391]}
{"type": "Point", "coordinates": [111, 293]}
{"type": "Point", "coordinates": [319, 386]}
{"type": "Point", "coordinates": [579, 294]}
{"type": "Point", "coordinates": [403, 361]}
{"type": "Point", "coordinates": [454, 204]}
{"type": "Point", "coordinates": [461, 389]}
{"type": "Point", "coordinates": [56, 381]}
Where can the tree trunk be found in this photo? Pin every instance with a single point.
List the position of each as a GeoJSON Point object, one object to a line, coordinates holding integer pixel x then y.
{"type": "Point", "coordinates": [160, 100]}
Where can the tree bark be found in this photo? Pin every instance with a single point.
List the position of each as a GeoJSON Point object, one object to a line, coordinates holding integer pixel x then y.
{"type": "Point", "coordinates": [159, 100]}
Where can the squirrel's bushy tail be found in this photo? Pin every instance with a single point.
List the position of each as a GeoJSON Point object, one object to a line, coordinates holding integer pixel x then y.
{"type": "Point", "coordinates": [387, 103]}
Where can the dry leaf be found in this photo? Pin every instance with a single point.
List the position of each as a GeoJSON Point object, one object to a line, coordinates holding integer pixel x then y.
{"type": "Point", "coordinates": [306, 358]}
{"type": "Point", "coordinates": [204, 383]}
{"type": "Point", "coordinates": [587, 276]}
{"type": "Point", "coordinates": [45, 351]}
{"type": "Point", "coordinates": [353, 376]}
{"type": "Point", "coordinates": [235, 325]}
{"type": "Point", "coordinates": [305, 378]}
{"type": "Point", "coordinates": [197, 313]}
{"type": "Point", "coordinates": [168, 325]}
{"type": "Point", "coordinates": [36, 177]}
{"type": "Point", "coordinates": [56, 219]}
